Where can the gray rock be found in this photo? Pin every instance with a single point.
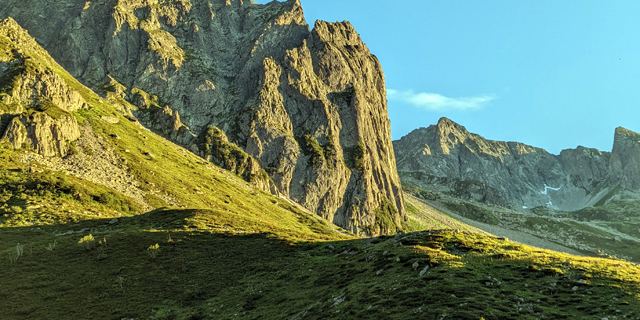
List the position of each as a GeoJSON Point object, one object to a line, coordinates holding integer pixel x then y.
{"type": "Point", "coordinates": [308, 105]}
{"type": "Point", "coordinates": [35, 100]}
{"type": "Point", "coordinates": [448, 158]}
{"type": "Point", "coordinates": [113, 221]}
{"type": "Point", "coordinates": [47, 135]}
{"type": "Point", "coordinates": [624, 164]}
{"type": "Point", "coordinates": [423, 271]}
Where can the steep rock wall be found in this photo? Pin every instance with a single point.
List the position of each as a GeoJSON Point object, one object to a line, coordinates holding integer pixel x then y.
{"type": "Point", "coordinates": [625, 159]}
{"type": "Point", "coordinates": [308, 105]}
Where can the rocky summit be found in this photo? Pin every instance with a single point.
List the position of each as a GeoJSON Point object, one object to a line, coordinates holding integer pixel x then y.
{"type": "Point", "coordinates": [448, 158]}
{"type": "Point", "coordinates": [301, 112]}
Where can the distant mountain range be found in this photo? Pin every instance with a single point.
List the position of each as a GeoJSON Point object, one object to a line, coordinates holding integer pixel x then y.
{"type": "Point", "coordinates": [450, 159]}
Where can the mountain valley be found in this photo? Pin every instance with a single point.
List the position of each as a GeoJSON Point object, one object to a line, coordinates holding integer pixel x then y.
{"type": "Point", "coordinates": [191, 159]}
{"type": "Point", "coordinates": [584, 199]}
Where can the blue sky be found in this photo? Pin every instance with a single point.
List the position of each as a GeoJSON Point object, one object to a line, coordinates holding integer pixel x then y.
{"type": "Point", "coordinates": [553, 74]}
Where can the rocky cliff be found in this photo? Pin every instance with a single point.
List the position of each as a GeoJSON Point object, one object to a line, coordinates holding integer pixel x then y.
{"type": "Point", "coordinates": [450, 159]}
{"type": "Point", "coordinates": [624, 165]}
{"type": "Point", "coordinates": [308, 105]}
{"type": "Point", "coordinates": [35, 102]}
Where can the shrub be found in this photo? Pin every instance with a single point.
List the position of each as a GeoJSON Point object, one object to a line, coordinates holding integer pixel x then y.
{"type": "Point", "coordinates": [354, 157]}
{"type": "Point", "coordinates": [312, 148]}
{"type": "Point", "coordinates": [153, 250]}
{"type": "Point", "coordinates": [88, 242]}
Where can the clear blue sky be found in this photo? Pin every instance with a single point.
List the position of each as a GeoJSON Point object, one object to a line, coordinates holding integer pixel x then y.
{"type": "Point", "coordinates": [553, 74]}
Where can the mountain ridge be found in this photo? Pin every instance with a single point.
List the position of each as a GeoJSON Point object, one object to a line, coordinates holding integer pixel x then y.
{"type": "Point", "coordinates": [307, 105]}
{"type": "Point", "coordinates": [572, 180]}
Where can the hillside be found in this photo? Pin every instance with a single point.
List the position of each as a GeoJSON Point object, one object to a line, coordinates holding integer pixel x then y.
{"type": "Point", "coordinates": [305, 107]}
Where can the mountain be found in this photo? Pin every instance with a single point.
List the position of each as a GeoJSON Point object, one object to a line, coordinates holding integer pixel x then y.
{"type": "Point", "coordinates": [450, 159]}
{"type": "Point", "coordinates": [100, 218]}
{"type": "Point", "coordinates": [584, 200]}
{"type": "Point", "coordinates": [307, 106]}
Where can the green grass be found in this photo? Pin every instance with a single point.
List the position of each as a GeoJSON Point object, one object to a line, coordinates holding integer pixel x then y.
{"type": "Point", "coordinates": [608, 196]}
{"type": "Point", "coordinates": [424, 217]}
{"type": "Point", "coordinates": [208, 265]}
{"type": "Point", "coordinates": [46, 198]}
{"type": "Point", "coordinates": [474, 212]}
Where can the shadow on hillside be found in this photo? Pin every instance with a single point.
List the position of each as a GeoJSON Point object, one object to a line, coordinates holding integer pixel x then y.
{"type": "Point", "coordinates": [121, 273]}
{"type": "Point", "coordinates": [158, 264]}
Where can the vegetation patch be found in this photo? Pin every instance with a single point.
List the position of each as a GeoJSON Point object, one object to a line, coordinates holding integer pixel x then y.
{"type": "Point", "coordinates": [472, 211]}
{"type": "Point", "coordinates": [228, 155]}
{"type": "Point", "coordinates": [384, 219]}
{"type": "Point", "coordinates": [355, 156]}
{"type": "Point", "coordinates": [49, 197]}
{"type": "Point", "coordinates": [313, 149]}
{"type": "Point", "coordinates": [188, 270]}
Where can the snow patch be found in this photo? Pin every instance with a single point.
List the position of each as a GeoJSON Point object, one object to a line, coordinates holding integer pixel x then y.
{"type": "Point", "coordinates": [546, 193]}
{"type": "Point", "coordinates": [547, 188]}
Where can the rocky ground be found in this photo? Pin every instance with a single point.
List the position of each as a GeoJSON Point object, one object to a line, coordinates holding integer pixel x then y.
{"type": "Point", "coordinates": [94, 160]}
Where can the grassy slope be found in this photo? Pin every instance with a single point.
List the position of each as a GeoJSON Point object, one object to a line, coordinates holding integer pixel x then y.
{"type": "Point", "coordinates": [609, 230]}
{"type": "Point", "coordinates": [424, 217]}
{"type": "Point", "coordinates": [206, 272]}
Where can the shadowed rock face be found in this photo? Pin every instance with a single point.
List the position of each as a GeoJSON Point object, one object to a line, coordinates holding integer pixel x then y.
{"type": "Point", "coordinates": [450, 159]}
{"type": "Point", "coordinates": [308, 105]}
{"type": "Point", "coordinates": [625, 159]}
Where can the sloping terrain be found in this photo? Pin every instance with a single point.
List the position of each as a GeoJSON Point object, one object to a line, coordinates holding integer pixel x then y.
{"type": "Point", "coordinates": [510, 188]}
{"type": "Point", "coordinates": [116, 222]}
{"type": "Point", "coordinates": [607, 230]}
{"type": "Point", "coordinates": [179, 264]}
{"type": "Point", "coordinates": [304, 108]}
{"type": "Point", "coordinates": [425, 217]}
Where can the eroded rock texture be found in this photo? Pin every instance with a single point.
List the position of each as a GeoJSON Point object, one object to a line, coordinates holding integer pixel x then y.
{"type": "Point", "coordinates": [35, 101]}
{"type": "Point", "coordinates": [308, 105]}
{"type": "Point", "coordinates": [625, 159]}
{"type": "Point", "coordinates": [448, 158]}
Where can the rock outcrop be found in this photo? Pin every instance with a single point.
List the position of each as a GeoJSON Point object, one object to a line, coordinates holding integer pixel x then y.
{"type": "Point", "coordinates": [448, 158]}
{"type": "Point", "coordinates": [35, 101]}
{"type": "Point", "coordinates": [162, 120]}
{"type": "Point", "coordinates": [624, 165]}
{"type": "Point", "coordinates": [214, 146]}
{"type": "Point", "coordinates": [44, 134]}
{"type": "Point", "coordinates": [308, 105]}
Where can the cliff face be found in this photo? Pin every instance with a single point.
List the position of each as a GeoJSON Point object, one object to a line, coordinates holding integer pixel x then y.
{"type": "Point", "coordinates": [625, 159]}
{"type": "Point", "coordinates": [510, 173]}
{"type": "Point", "coordinates": [308, 105]}
{"type": "Point", "coordinates": [35, 101]}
